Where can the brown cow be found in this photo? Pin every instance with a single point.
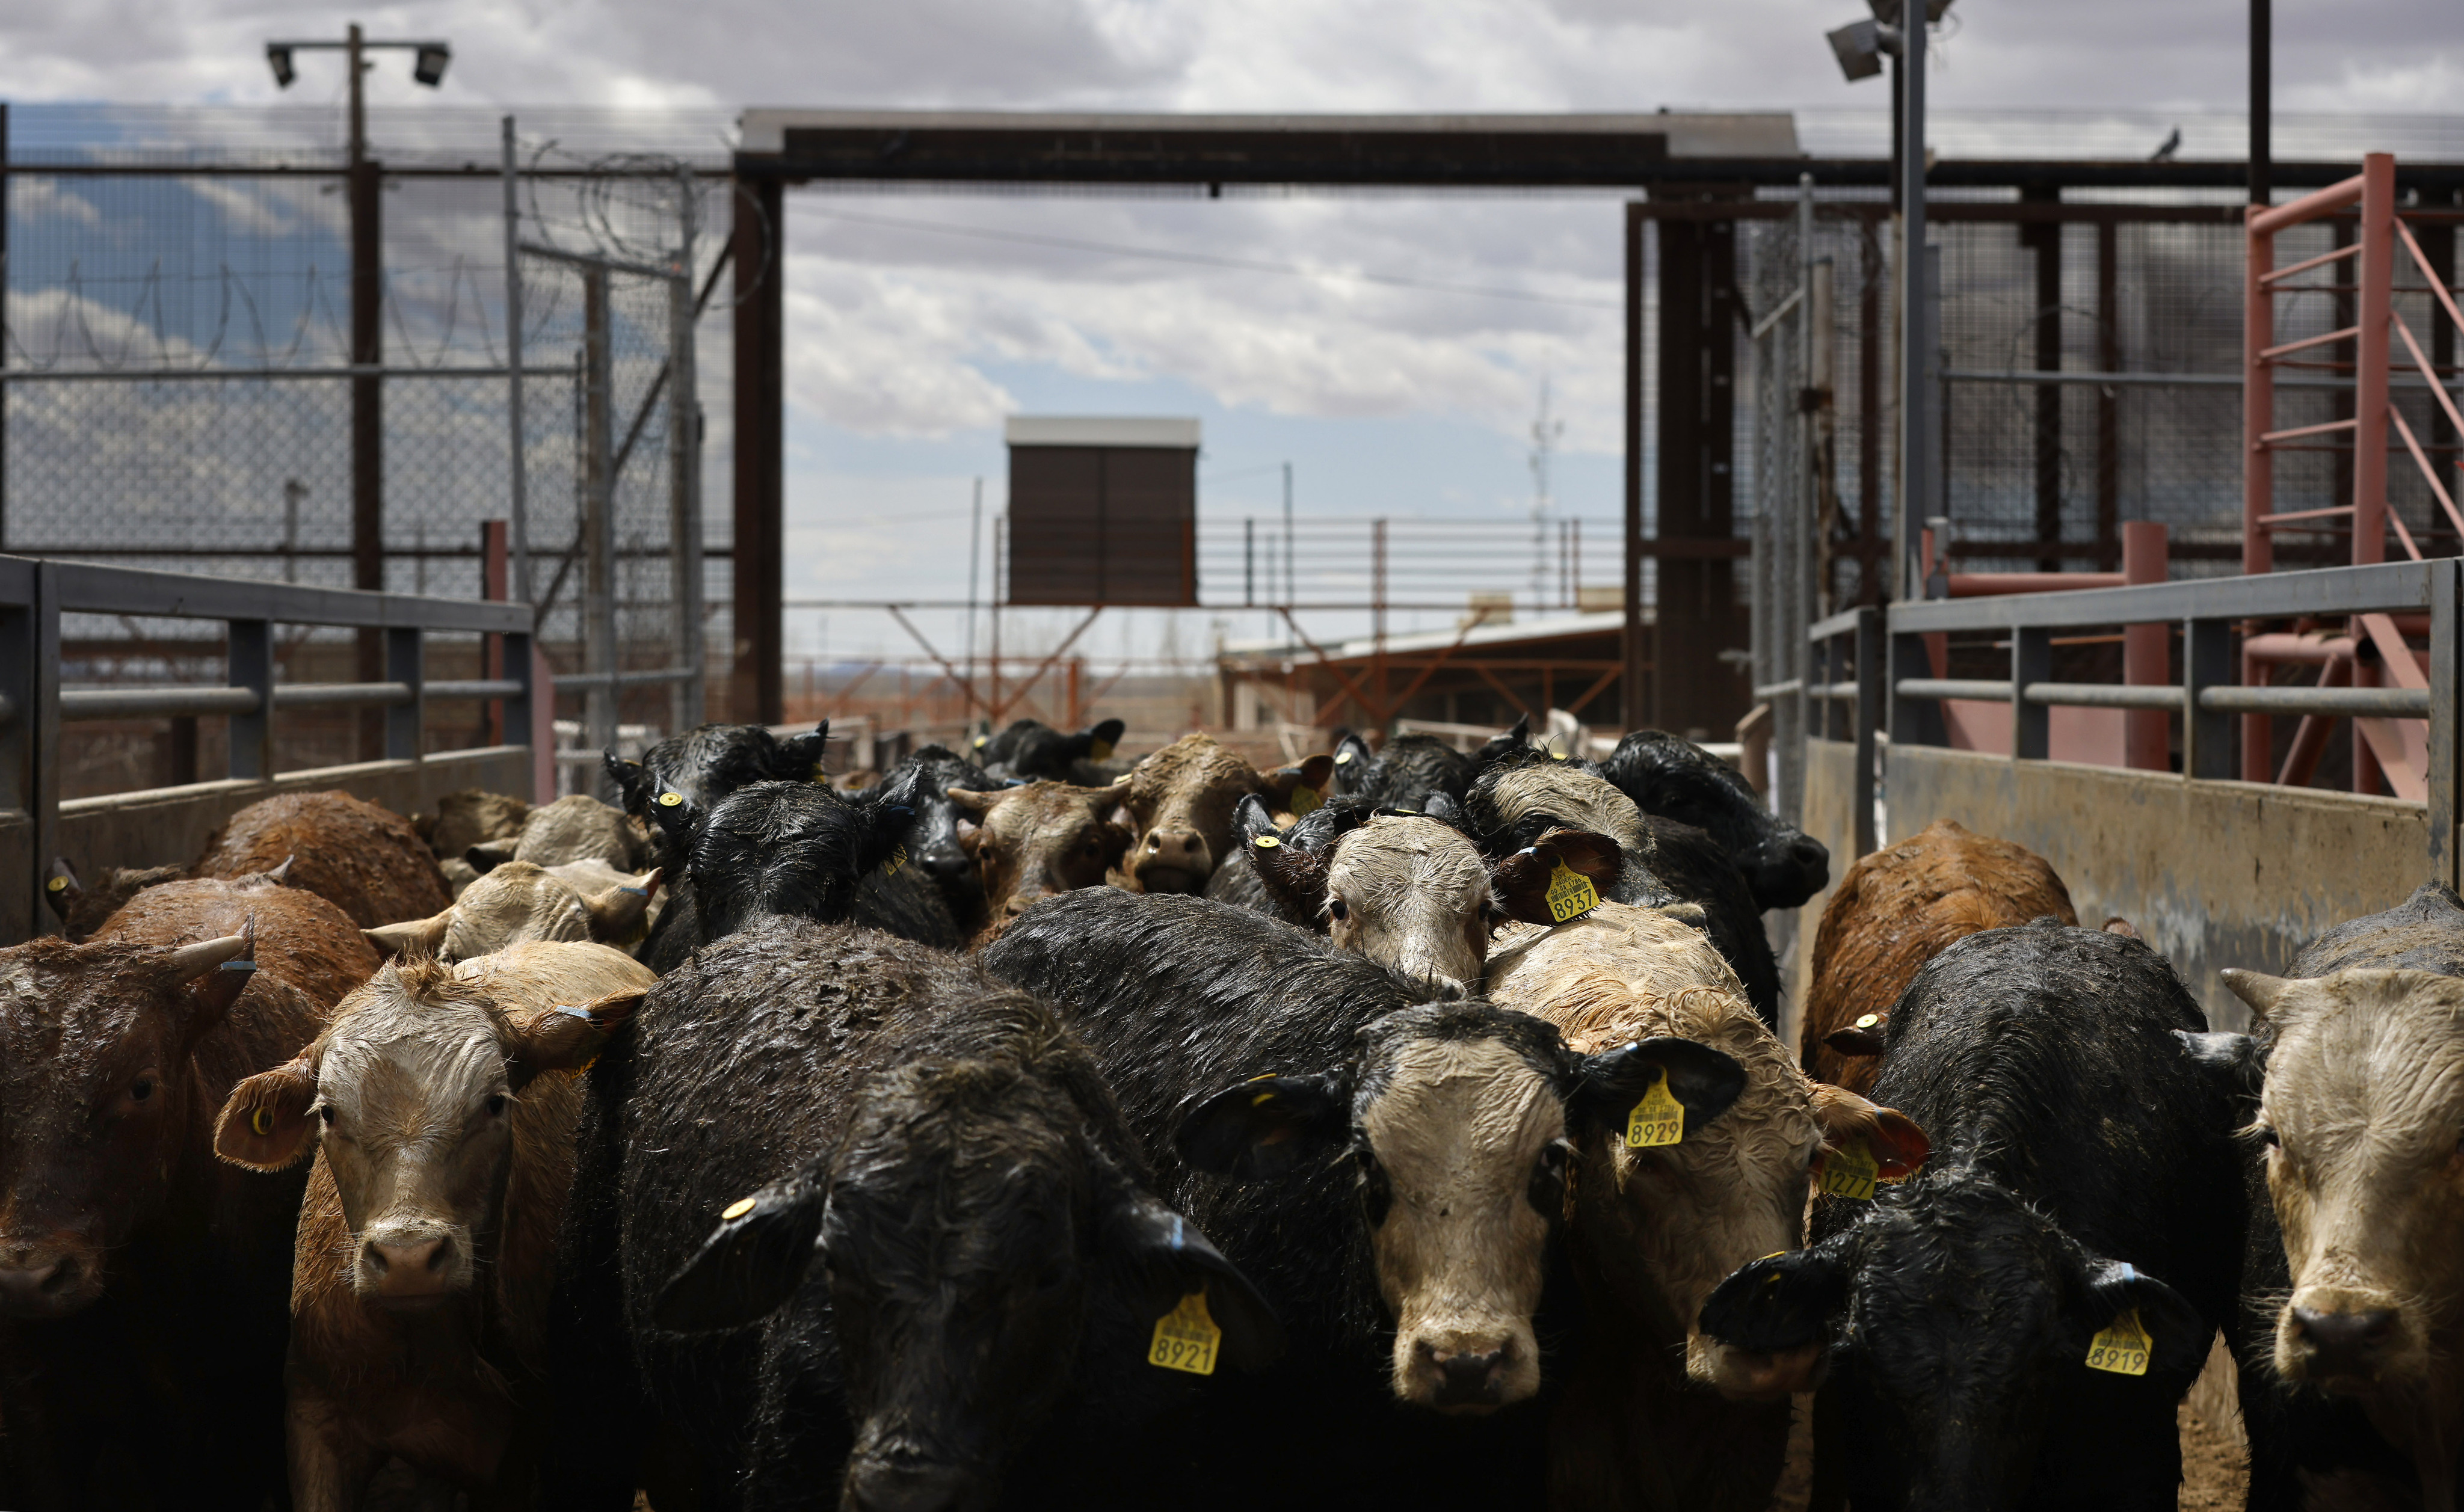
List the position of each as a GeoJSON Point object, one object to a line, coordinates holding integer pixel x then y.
{"type": "Point", "coordinates": [300, 937]}
{"type": "Point", "coordinates": [1036, 841]}
{"type": "Point", "coordinates": [1897, 909]}
{"type": "Point", "coordinates": [365, 859]}
{"type": "Point", "coordinates": [583, 900]}
{"type": "Point", "coordinates": [141, 1295]}
{"type": "Point", "coordinates": [426, 1242]}
{"type": "Point", "coordinates": [83, 909]}
{"type": "Point", "coordinates": [1653, 1230]}
{"type": "Point", "coordinates": [1181, 801]}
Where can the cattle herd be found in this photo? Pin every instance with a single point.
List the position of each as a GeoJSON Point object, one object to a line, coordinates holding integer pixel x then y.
{"type": "Point", "coordinates": [1034, 1127]}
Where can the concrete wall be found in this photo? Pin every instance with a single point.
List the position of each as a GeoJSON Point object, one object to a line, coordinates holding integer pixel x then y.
{"type": "Point", "coordinates": [171, 824]}
{"type": "Point", "coordinates": [2214, 874]}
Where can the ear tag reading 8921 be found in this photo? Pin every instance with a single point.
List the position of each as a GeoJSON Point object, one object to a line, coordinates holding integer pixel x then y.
{"type": "Point", "coordinates": [1850, 1172]}
{"type": "Point", "coordinates": [2122, 1346]}
{"type": "Point", "coordinates": [1658, 1120]}
{"type": "Point", "coordinates": [1571, 893]}
{"type": "Point", "coordinates": [1305, 801]}
{"type": "Point", "coordinates": [1186, 1338]}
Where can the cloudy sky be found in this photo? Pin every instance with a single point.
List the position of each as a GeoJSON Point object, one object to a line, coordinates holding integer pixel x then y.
{"type": "Point", "coordinates": [912, 333]}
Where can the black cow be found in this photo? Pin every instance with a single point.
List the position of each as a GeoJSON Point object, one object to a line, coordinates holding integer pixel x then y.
{"type": "Point", "coordinates": [1398, 1168]}
{"type": "Point", "coordinates": [2304, 1433]}
{"type": "Point", "coordinates": [932, 839]}
{"type": "Point", "coordinates": [1032, 750]}
{"type": "Point", "coordinates": [1676, 778]}
{"type": "Point", "coordinates": [921, 1169]}
{"type": "Point", "coordinates": [2083, 1173]}
{"type": "Point", "coordinates": [710, 761]}
{"type": "Point", "coordinates": [1520, 791]}
{"type": "Point", "coordinates": [791, 848]}
{"type": "Point", "coordinates": [1407, 773]}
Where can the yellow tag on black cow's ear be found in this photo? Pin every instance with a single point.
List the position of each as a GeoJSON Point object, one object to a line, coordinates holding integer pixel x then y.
{"type": "Point", "coordinates": [735, 1210]}
{"type": "Point", "coordinates": [1343, 758]}
{"type": "Point", "coordinates": [1186, 1338]}
{"type": "Point", "coordinates": [2122, 1346]}
{"type": "Point", "coordinates": [1265, 842]}
{"type": "Point", "coordinates": [982, 741]}
{"type": "Point", "coordinates": [671, 799]}
{"type": "Point", "coordinates": [57, 885]}
{"type": "Point", "coordinates": [1868, 1020]}
{"type": "Point", "coordinates": [897, 859]}
{"type": "Point", "coordinates": [1305, 801]}
{"type": "Point", "coordinates": [818, 776]}
{"type": "Point", "coordinates": [1850, 1172]}
{"type": "Point", "coordinates": [1658, 1120]}
{"type": "Point", "coordinates": [1571, 894]}
{"type": "Point", "coordinates": [1100, 750]}
{"type": "Point", "coordinates": [261, 1121]}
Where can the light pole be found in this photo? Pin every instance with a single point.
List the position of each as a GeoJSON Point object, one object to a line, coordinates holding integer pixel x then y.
{"type": "Point", "coordinates": [362, 183]}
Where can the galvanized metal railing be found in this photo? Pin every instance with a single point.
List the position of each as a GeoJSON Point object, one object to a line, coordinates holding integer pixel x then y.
{"type": "Point", "coordinates": [1846, 700]}
{"type": "Point", "coordinates": [34, 596]}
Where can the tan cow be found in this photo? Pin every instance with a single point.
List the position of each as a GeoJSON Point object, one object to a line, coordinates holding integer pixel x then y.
{"type": "Point", "coordinates": [1180, 800]}
{"type": "Point", "coordinates": [427, 1240]}
{"type": "Point", "coordinates": [1655, 1229]}
{"type": "Point", "coordinates": [575, 827]}
{"type": "Point", "coordinates": [585, 900]}
{"type": "Point", "coordinates": [1036, 841]}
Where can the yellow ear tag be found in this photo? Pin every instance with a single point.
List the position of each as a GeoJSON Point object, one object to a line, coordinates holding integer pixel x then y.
{"type": "Point", "coordinates": [2122, 1347]}
{"type": "Point", "coordinates": [1100, 750]}
{"type": "Point", "coordinates": [735, 1210]}
{"type": "Point", "coordinates": [261, 1121]}
{"type": "Point", "coordinates": [1868, 1020]}
{"type": "Point", "coordinates": [820, 776]}
{"type": "Point", "coordinates": [1343, 758]}
{"type": "Point", "coordinates": [1265, 842]}
{"type": "Point", "coordinates": [982, 741]}
{"type": "Point", "coordinates": [1123, 779]}
{"type": "Point", "coordinates": [57, 885]}
{"type": "Point", "coordinates": [1305, 800]}
{"type": "Point", "coordinates": [1571, 893]}
{"type": "Point", "coordinates": [1557, 756]}
{"type": "Point", "coordinates": [1849, 1173]}
{"type": "Point", "coordinates": [897, 859]}
{"type": "Point", "coordinates": [1186, 1338]}
{"type": "Point", "coordinates": [671, 799]}
{"type": "Point", "coordinates": [1659, 1119]}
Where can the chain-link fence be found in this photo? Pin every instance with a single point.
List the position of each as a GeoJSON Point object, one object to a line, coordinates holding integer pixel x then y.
{"type": "Point", "coordinates": [178, 341]}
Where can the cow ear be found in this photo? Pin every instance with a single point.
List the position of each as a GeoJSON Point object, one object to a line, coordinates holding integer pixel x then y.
{"type": "Point", "coordinates": [2262, 992]}
{"type": "Point", "coordinates": [632, 779]}
{"type": "Point", "coordinates": [2236, 1060]}
{"type": "Point", "coordinates": [1779, 1303]}
{"type": "Point", "coordinates": [1502, 745]}
{"type": "Point", "coordinates": [567, 1037]}
{"type": "Point", "coordinates": [1168, 1260]}
{"type": "Point", "coordinates": [1262, 1127]}
{"type": "Point", "coordinates": [1898, 1145]}
{"type": "Point", "coordinates": [2111, 1288]}
{"type": "Point", "coordinates": [1521, 881]}
{"type": "Point", "coordinates": [798, 758]}
{"type": "Point", "coordinates": [1442, 807]}
{"type": "Point", "coordinates": [751, 1263]}
{"type": "Point", "coordinates": [413, 937]}
{"type": "Point", "coordinates": [1351, 761]}
{"type": "Point", "coordinates": [1855, 1042]}
{"type": "Point", "coordinates": [618, 915]}
{"type": "Point", "coordinates": [1298, 789]}
{"type": "Point", "coordinates": [1608, 1085]}
{"type": "Point", "coordinates": [675, 818]}
{"type": "Point", "coordinates": [264, 1122]}
{"type": "Point", "coordinates": [60, 888]}
{"type": "Point", "coordinates": [1295, 877]}
{"type": "Point", "coordinates": [972, 802]}
{"type": "Point", "coordinates": [1103, 738]}
{"type": "Point", "coordinates": [488, 855]}
{"type": "Point", "coordinates": [884, 826]}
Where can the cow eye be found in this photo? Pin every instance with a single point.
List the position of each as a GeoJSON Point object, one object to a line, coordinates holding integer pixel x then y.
{"type": "Point", "coordinates": [1337, 909]}
{"type": "Point", "coordinates": [1376, 1192]}
{"type": "Point", "coordinates": [141, 1089]}
{"type": "Point", "coordinates": [327, 1112]}
{"type": "Point", "coordinates": [1547, 1192]}
{"type": "Point", "coordinates": [496, 1105]}
{"type": "Point", "coordinates": [2270, 1137]}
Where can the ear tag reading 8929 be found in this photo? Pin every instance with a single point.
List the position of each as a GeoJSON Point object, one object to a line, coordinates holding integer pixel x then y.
{"type": "Point", "coordinates": [1850, 1172]}
{"type": "Point", "coordinates": [1305, 801]}
{"type": "Point", "coordinates": [1186, 1338]}
{"type": "Point", "coordinates": [1571, 894]}
{"type": "Point", "coordinates": [1658, 1120]}
{"type": "Point", "coordinates": [2122, 1346]}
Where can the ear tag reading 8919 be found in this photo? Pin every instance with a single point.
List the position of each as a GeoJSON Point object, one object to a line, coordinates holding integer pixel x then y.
{"type": "Point", "coordinates": [1571, 894]}
{"type": "Point", "coordinates": [1305, 801]}
{"type": "Point", "coordinates": [2122, 1346]}
{"type": "Point", "coordinates": [1186, 1338]}
{"type": "Point", "coordinates": [1658, 1120]}
{"type": "Point", "coordinates": [1850, 1172]}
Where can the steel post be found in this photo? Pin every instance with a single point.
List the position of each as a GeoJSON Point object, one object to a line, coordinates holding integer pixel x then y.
{"type": "Point", "coordinates": [599, 501]}
{"type": "Point", "coordinates": [248, 651]}
{"type": "Point", "coordinates": [2445, 625]}
{"type": "Point", "coordinates": [406, 723]}
{"type": "Point", "coordinates": [2207, 735]}
{"type": "Point", "coordinates": [684, 471]}
{"type": "Point", "coordinates": [1872, 688]}
{"type": "Point", "coordinates": [517, 493]}
{"type": "Point", "coordinates": [2031, 661]}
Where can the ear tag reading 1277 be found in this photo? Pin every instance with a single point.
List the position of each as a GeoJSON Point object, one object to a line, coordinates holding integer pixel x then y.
{"type": "Point", "coordinates": [1186, 1338]}
{"type": "Point", "coordinates": [1659, 1119]}
{"type": "Point", "coordinates": [2122, 1347]}
{"type": "Point", "coordinates": [1850, 1172]}
{"type": "Point", "coordinates": [1571, 893]}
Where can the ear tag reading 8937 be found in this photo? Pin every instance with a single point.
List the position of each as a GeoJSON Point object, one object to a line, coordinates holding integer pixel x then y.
{"type": "Point", "coordinates": [1850, 1172]}
{"type": "Point", "coordinates": [1658, 1120]}
{"type": "Point", "coordinates": [2122, 1346]}
{"type": "Point", "coordinates": [1186, 1338]}
{"type": "Point", "coordinates": [1305, 801]}
{"type": "Point", "coordinates": [1571, 893]}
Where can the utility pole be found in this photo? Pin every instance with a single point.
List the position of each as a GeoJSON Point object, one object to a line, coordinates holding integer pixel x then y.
{"type": "Point", "coordinates": [2262, 47]}
{"type": "Point", "coordinates": [1916, 400]}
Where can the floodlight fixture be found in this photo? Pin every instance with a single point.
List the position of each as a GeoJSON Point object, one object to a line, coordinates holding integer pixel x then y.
{"type": "Point", "coordinates": [428, 65]}
{"type": "Point", "coordinates": [1858, 46]}
{"type": "Point", "coordinates": [279, 54]}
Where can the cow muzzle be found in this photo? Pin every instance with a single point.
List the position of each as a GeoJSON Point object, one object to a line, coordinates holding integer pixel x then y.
{"type": "Point", "coordinates": [1467, 1372]}
{"type": "Point", "coordinates": [1742, 1375]}
{"type": "Point", "coordinates": [906, 1486]}
{"type": "Point", "coordinates": [1174, 861]}
{"type": "Point", "coordinates": [407, 1268]}
{"type": "Point", "coordinates": [47, 1281]}
{"type": "Point", "coordinates": [2342, 1339]}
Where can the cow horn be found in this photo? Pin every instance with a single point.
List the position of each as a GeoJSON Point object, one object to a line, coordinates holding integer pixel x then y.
{"type": "Point", "coordinates": [189, 963]}
{"type": "Point", "coordinates": [2257, 989]}
{"type": "Point", "coordinates": [283, 871]}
